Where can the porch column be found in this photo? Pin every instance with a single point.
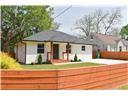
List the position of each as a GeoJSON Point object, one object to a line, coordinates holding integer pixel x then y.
{"type": "Point", "coordinates": [51, 44]}
{"type": "Point", "coordinates": [67, 51]}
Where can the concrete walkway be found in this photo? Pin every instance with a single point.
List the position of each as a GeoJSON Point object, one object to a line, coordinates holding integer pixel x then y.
{"type": "Point", "coordinates": [98, 61]}
{"type": "Point", "coordinates": [107, 61]}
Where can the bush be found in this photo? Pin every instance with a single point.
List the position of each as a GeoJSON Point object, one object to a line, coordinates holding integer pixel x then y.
{"type": "Point", "coordinates": [32, 63]}
{"type": "Point", "coordinates": [98, 54]}
{"type": "Point", "coordinates": [79, 60]}
{"type": "Point", "coordinates": [75, 58]}
{"type": "Point", "coordinates": [72, 60]}
{"type": "Point", "coordinates": [48, 62]}
{"type": "Point", "coordinates": [39, 59]}
{"type": "Point", "coordinates": [8, 62]}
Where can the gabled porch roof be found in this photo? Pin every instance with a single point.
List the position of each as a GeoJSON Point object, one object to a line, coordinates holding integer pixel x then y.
{"type": "Point", "coordinates": [56, 36]}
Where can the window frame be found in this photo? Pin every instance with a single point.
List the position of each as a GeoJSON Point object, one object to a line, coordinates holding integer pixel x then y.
{"type": "Point", "coordinates": [83, 49]}
{"type": "Point", "coordinates": [41, 48]}
{"type": "Point", "coordinates": [120, 48]}
{"type": "Point", "coordinates": [91, 36]}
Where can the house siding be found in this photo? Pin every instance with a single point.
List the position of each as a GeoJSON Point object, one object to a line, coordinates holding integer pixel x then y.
{"type": "Point", "coordinates": [83, 55]}
{"type": "Point", "coordinates": [111, 48]}
{"type": "Point", "coordinates": [99, 44]}
{"type": "Point", "coordinates": [104, 46]}
{"type": "Point", "coordinates": [31, 51]}
{"type": "Point", "coordinates": [20, 52]}
{"type": "Point", "coordinates": [124, 48]}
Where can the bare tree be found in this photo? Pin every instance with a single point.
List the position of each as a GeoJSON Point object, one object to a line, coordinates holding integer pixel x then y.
{"type": "Point", "coordinates": [85, 24]}
{"type": "Point", "coordinates": [99, 17]}
{"type": "Point", "coordinates": [115, 32]}
{"type": "Point", "coordinates": [111, 20]}
{"type": "Point", "coordinates": [99, 21]}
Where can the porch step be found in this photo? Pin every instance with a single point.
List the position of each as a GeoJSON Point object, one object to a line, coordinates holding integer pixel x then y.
{"type": "Point", "coordinates": [58, 61]}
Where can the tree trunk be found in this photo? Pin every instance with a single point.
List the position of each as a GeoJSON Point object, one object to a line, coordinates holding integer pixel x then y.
{"type": "Point", "coordinates": [5, 47]}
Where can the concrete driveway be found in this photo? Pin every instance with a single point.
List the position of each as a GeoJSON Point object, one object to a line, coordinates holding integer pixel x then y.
{"type": "Point", "coordinates": [107, 61]}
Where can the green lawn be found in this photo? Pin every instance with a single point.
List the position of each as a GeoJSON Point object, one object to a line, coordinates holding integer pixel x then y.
{"type": "Point", "coordinates": [51, 66]}
{"type": "Point", "coordinates": [125, 87]}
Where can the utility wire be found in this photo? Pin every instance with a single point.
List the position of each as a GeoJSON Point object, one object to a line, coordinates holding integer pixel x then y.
{"type": "Point", "coordinates": [62, 12]}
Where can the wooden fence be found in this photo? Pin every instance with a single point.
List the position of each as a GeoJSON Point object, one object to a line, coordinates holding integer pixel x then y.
{"type": "Point", "coordinates": [29, 79]}
{"type": "Point", "coordinates": [99, 77]}
{"type": "Point", "coordinates": [113, 55]}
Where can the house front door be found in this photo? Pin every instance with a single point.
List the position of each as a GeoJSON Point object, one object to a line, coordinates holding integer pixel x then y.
{"type": "Point", "coordinates": [55, 51]}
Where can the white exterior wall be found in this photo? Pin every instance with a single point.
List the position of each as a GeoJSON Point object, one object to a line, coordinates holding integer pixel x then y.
{"type": "Point", "coordinates": [111, 48]}
{"type": "Point", "coordinates": [122, 45]}
{"type": "Point", "coordinates": [108, 48]}
{"type": "Point", "coordinates": [20, 55]}
{"type": "Point", "coordinates": [31, 51]}
{"type": "Point", "coordinates": [83, 55]}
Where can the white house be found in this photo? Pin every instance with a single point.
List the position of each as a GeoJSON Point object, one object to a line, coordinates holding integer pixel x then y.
{"type": "Point", "coordinates": [108, 42]}
{"type": "Point", "coordinates": [53, 46]}
{"type": "Point", "coordinates": [122, 45]}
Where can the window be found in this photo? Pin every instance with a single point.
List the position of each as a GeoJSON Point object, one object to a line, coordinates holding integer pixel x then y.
{"type": "Point", "coordinates": [40, 48]}
{"type": "Point", "coordinates": [91, 36]}
{"type": "Point", "coordinates": [83, 48]}
{"type": "Point", "coordinates": [120, 48]}
{"type": "Point", "coordinates": [69, 48]}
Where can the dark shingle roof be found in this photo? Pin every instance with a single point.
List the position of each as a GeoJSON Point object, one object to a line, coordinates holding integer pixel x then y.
{"type": "Point", "coordinates": [109, 39]}
{"type": "Point", "coordinates": [56, 36]}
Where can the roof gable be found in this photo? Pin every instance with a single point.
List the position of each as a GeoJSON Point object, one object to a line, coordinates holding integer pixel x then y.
{"type": "Point", "coordinates": [125, 42]}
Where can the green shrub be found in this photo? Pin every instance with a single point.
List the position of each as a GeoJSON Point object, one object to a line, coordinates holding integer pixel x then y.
{"type": "Point", "coordinates": [7, 62]}
{"type": "Point", "coordinates": [32, 63]}
{"type": "Point", "coordinates": [98, 54]}
{"type": "Point", "coordinates": [39, 59]}
{"type": "Point", "coordinates": [79, 60]}
{"type": "Point", "coordinates": [75, 58]}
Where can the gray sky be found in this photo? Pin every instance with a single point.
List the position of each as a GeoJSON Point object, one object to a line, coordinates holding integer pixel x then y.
{"type": "Point", "coordinates": [68, 18]}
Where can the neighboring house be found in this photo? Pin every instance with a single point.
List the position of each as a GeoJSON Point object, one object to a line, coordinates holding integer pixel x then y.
{"type": "Point", "coordinates": [107, 42]}
{"type": "Point", "coordinates": [52, 45]}
{"type": "Point", "coordinates": [122, 45]}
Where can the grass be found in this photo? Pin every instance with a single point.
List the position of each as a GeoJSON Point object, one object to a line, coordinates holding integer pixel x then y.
{"type": "Point", "coordinates": [125, 87]}
{"type": "Point", "coordinates": [51, 66]}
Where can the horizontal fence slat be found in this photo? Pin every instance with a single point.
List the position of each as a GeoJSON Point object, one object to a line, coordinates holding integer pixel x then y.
{"type": "Point", "coordinates": [28, 80]}
{"type": "Point", "coordinates": [28, 86]}
{"type": "Point", "coordinates": [89, 80]}
{"type": "Point", "coordinates": [99, 77]}
{"type": "Point", "coordinates": [25, 73]}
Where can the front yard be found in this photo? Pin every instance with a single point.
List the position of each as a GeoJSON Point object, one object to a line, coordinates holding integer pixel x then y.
{"type": "Point", "coordinates": [51, 66]}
